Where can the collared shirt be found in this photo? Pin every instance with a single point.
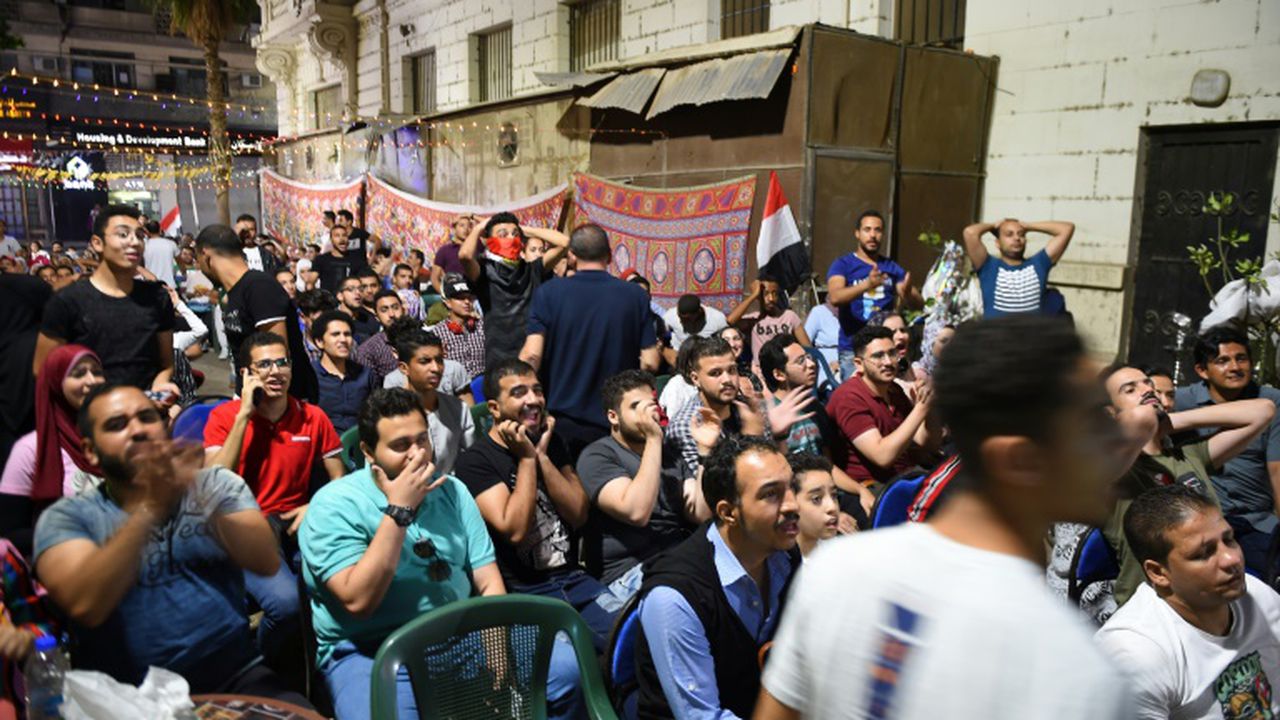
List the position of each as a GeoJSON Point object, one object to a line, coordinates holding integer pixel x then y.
{"type": "Point", "coordinates": [1243, 484]}
{"type": "Point", "coordinates": [341, 397]}
{"type": "Point", "coordinates": [462, 344]}
{"type": "Point", "coordinates": [682, 653]}
{"type": "Point", "coordinates": [377, 354]}
{"type": "Point", "coordinates": [855, 409]}
{"type": "Point", "coordinates": [678, 430]}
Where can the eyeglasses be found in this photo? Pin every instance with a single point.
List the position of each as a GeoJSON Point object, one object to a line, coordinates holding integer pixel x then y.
{"type": "Point", "coordinates": [438, 570]}
{"type": "Point", "coordinates": [264, 366]}
{"type": "Point", "coordinates": [125, 235]}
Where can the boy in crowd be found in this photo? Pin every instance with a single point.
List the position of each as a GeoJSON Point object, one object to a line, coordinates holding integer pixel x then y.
{"type": "Point", "coordinates": [770, 320]}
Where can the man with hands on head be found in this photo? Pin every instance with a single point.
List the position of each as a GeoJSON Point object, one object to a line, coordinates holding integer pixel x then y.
{"type": "Point", "coordinates": [1011, 282]}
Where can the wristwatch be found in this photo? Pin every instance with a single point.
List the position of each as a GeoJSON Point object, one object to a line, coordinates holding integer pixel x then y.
{"type": "Point", "coordinates": [401, 514]}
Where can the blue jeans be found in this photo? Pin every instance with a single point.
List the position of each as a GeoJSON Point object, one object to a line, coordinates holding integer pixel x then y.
{"type": "Point", "coordinates": [349, 678]}
{"type": "Point", "coordinates": [582, 592]}
{"type": "Point", "coordinates": [622, 589]}
{"type": "Point", "coordinates": [846, 365]}
{"type": "Point", "coordinates": [277, 595]}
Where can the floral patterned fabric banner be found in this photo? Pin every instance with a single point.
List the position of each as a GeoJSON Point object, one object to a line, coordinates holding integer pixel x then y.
{"type": "Point", "coordinates": [684, 240]}
{"type": "Point", "coordinates": [405, 221]}
{"type": "Point", "coordinates": [293, 211]}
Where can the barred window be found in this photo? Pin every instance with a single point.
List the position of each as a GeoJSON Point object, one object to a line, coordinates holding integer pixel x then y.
{"type": "Point", "coordinates": [743, 17]}
{"type": "Point", "coordinates": [593, 32]}
{"type": "Point", "coordinates": [494, 52]}
{"type": "Point", "coordinates": [931, 22]}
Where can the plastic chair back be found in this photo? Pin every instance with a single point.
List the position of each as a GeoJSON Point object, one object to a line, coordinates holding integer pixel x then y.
{"type": "Point", "coordinates": [477, 389]}
{"type": "Point", "coordinates": [189, 425]}
{"type": "Point", "coordinates": [1093, 561]}
{"type": "Point", "coordinates": [893, 504]}
{"type": "Point", "coordinates": [827, 381]}
{"type": "Point", "coordinates": [486, 657]}
{"type": "Point", "coordinates": [620, 658]}
{"type": "Point", "coordinates": [351, 455]}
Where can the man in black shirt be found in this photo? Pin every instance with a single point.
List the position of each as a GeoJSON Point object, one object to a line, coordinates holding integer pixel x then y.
{"type": "Point", "coordinates": [364, 324]}
{"type": "Point", "coordinates": [254, 302]}
{"type": "Point", "coordinates": [370, 284]}
{"type": "Point", "coordinates": [127, 322]}
{"type": "Point", "coordinates": [20, 315]}
{"type": "Point", "coordinates": [358, 235]}
{"type": "Point", "coordinates": [341, 262]}
{"type": "Point", "coordinates": [523, 481]}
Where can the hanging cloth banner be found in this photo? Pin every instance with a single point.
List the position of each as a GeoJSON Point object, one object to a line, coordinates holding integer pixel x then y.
{"type": "Point", "coordinates": [293, 211]}
{"type": "Point", "coordinates": [405, 221]}
{"type": "Point", "coordinates": [683, 240]}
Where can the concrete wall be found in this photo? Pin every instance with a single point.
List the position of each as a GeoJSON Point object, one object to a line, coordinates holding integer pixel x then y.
{"type": "Point", "coordinates": [1077, 83]}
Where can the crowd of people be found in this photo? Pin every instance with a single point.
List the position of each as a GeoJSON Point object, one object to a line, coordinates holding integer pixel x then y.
{"type": "Point", "coordinates": [397, 436]}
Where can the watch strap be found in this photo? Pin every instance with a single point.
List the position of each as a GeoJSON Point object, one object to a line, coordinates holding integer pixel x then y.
{"type": "Point", "coordinates": [402, 515]}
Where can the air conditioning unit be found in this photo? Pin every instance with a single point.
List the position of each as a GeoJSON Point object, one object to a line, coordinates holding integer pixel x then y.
{"type": "Point", "coordinates": [251, 80]}
{"type": "Point", "coordinates": [45, 65]}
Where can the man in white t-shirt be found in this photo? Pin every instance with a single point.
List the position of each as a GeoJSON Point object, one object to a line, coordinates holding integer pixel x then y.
{"type": "Point", "coordinates": [688, 318]}
{"type": "Point", "coordinates": [951, 619]}
{"type": "Point", "coordinates": [1199, 638]}
{"type": "Point", "coordinates": [158, 255]}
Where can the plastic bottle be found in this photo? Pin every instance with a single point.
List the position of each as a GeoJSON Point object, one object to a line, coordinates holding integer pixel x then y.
{"type": "Point", "coordinates": [44, 673]}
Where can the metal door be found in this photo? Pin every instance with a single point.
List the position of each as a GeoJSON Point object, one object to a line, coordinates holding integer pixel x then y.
{"type": "Point", "coordinates": [1182, 167]}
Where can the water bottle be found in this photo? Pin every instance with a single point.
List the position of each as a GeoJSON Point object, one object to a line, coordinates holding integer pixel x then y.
{"type": "Point", "coordinates": [44, 673]}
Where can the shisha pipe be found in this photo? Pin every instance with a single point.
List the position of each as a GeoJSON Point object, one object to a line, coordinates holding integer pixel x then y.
{"type": "Point", "coordinates": [1182, 325]}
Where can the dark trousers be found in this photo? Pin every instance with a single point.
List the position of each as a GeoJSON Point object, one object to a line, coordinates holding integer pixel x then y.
{"type": "Point", "coordinates": [577, 435]}
{"type": "Point", "coordinates": [579, 590]}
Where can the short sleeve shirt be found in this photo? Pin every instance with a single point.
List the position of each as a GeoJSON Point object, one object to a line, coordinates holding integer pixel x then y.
{"type": "Point", "coordinates": [505, 292]}
{"type": "Point", "coordinates": [339, 526]}
{"type": "Point", "coordinates": [545, 548]}
{"type": "Point", "coordinates": [185, 612]}
{"type": "Point", "coordinates": [446, 258]}
{"type": "Point", "coordinates": [121, 330]}
{"type": "Point", "coordinates": [856, 314]}
{"type": "Point", "coordinates": [854, 409]}
{"type": "Point", "coordinates": [1013, 289]}
{"type": "Point", "coordinates": [256, 302]}
{"type": "Point", "coordinates": [762, 327]}
{"type": "Point", "coordinates": [277, 458]}
{"type": "Point", "coordinates": [332, 269]}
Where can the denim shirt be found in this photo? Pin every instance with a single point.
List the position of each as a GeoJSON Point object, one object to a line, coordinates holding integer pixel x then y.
{"type": "Point", "coordinates": [341, 397]}
{"type": "Point", "coordinates": [678, 642]}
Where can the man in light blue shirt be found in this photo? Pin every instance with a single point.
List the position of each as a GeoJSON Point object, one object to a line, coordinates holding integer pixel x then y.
{"type": "Point", "coordinates": [712, 603]}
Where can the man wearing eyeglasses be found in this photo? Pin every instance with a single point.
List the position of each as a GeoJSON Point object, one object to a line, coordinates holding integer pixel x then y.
{"type": "Point", "coordinates": [276, 443]}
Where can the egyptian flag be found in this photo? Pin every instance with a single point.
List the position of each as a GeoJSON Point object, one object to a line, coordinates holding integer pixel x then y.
{"type": "Point", "coordinates": [171, 223]}
{"type": "Point", "coordinates": [780, 253]}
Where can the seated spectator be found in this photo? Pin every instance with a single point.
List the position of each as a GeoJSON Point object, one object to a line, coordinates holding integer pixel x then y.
{"type": "Point", "coordinates": [901, 345]}
{"type": "Point", "coordinates": [714, 371]}
{"type": "Point", "coordinates": [647, 497]}
{"type": "Point", "coordinates": [1246, 483]}
{"type": "Point", "coordinates": [934, 342]}
{"type": "Point", "coordinates": [818, 517]}
{"type": "Point", "coordinates": [452, 428]}
{"type": "Point", "coordinates": [748, 382]}
{"type": "Point", "coordinates": [378, 352]}
{"type": "Point", "coordinates": [690, 318]}
{"type": "Point", "coordinates": [710, 605]}
{"type": "Point", "coordinates": [402, 283]}
{"type": "Point", "coordinates": [770, 320]}
{"type": "Point", "coordinates": [907, 622]}
{"type": "Point", "coordinates": [49, 462]}
{"type": "Point", "coordinates": [1157, 461]}
{"type": "Point", "coordinates": [26, 613]}
{"type": "Point", "coordinates": [386, 545]}
{"type": "Point", "coordinates": [311, 305]}
{"type": "Point", "coordinates": [1198, 638]}
{"type": "Point", "coordinates": [823, 328]}
{"type": "Point", "coordinates": [463, 331]}
{"type": "Point", "coordinates": [523, 481]}
{"type": "Point", "coordinates": [881, 433]}
{"type": "Point", "coordinates": [364, 324]}
{"type": "Point", "coordinates": [344, 383]}
{"type": "Point", "coordinates": [370, 286]}
{"type": "Point", "coordinates": [276, 443]}
{"type": "Point", "coordinates": [660, 329]}
{"type": "Point", "coordinates": [679, 389]}
{"type": "Point", "coordinates": [149, 568]}
{"type": "Point", "coordinates": [284, 276]}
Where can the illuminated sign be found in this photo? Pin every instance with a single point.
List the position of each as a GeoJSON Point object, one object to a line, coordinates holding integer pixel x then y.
{"type": "Point", "coordinates": [78, 172]}
{"type": "Point", "coordinates": [11, 109]}
{"type": "Point", "coordinates": [174, 141]}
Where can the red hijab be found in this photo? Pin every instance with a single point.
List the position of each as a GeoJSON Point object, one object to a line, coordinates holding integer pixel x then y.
{"type": "Point", "coordinates": [56, 423]}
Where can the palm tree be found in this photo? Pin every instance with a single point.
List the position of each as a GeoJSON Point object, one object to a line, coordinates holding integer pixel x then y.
{"type": "Point", "coordinates": [206, 23]}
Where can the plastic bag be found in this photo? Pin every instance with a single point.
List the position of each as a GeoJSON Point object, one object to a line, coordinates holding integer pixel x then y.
{"type": "Point", "coordinates": [90, 695]}
{"type": "Point", "coordinates": [1229, 305]}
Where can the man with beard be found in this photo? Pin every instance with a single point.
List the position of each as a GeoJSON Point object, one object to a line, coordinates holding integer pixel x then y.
{"type": "Point", "coordinates": [710, 605]}
{"type": "Point", "coordinates": [1012, 282]}
{"type": "Point", "coordinates": [880, 431]}
{"type": "Point", "coordinates": [341, 261]}
{"type": "Point", "coordinates": [523, 480]}
{"type": "Point", "coordinates": [446, 259]}
{"type": "Point", "coordinates": [344, 383]}
{"type": "Point", "coordinates": [378, 352]}
{"type": "Point", "coordinates": [1134, 402]}
{"type": "Point", "coordinates": [421, 357]}
{"type": "Point", "coordinates": [713, 370]}
{"type": "Point", "coordinates": [1198, 638]}
{"type": "Point", "coordinates": [770, 320]}
{"type": "Point", "coordinates": [150, 566]}
{"type": "Point", "coordinates": [1247, 484]}
{"type": "Point", "coordinates": [648, 498]}
{"type": "Point", "coordinates": [254, 302]}
{"type": "Point", "coordinates": [865, 282]}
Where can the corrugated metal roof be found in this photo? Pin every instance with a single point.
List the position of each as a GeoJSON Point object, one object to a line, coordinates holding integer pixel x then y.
{"type": "Point", "coordinates": [628, 92]}
{"type": "Point", "coordinates": [571, 79]}
{"type": "Point", "coordinates": [740, 77]}
{"type": "Point", "coordinates": [782, 37]}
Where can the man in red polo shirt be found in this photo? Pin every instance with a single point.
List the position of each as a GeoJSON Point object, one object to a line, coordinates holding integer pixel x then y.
{"type": "Point", "coordinates": [881, 433]}
{"type": "Point", "coordinates": [274, 442]}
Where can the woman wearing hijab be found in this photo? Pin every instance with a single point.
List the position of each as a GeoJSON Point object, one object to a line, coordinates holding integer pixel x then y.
{"type": "Point", "coordinates": [49, 463]}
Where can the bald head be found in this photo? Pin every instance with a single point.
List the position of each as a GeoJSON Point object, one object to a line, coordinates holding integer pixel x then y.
{"type": "Point", "coordinates": [590, 243]}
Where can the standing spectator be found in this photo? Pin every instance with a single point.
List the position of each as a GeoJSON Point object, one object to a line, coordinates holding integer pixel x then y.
{"type": "Point", "coordinates": [402, 283]}
{"type": "Point", "coordinates": [504, 280]}
{"type": "Point", "coordinates": [343, 260]}
{"type": "Point", "coordinates": [582, 330]}
{"type": "Point", "coordinates": [709, 606]}
{"type": "Point", "coordinates": [21, 314]}
{"type": "Point", "coordinates": [446, 260]}
{"type": "Point", "coordinates": [770, 320]}
{"type": "Point", "coordinates": [865, 282]}
{"type": "Point", "coordinates": [522, 477]}
{"type": "Point", "coordinates": [713, 370]}
{"type": "Point", "coordinates": [648, 499]}
{"type": "Point", "coordinates": [378, 352]}
{"type": "Point", "coordinates": [284, 276]}
{"type": "Point", "coordinates": [463, 331]}
{"type": "Point", "coordinates": [344, 383]}
{"type": "Point", "coordinates": [257, 257]}
{"type": "Point", "coordinates": [422, 358]}
{"type": "Point", "coordinates": [691, 318]}
{"type": "Point", "coordinates": [1247, 484]}
{"type": "Point", "coordinates": [158, 257]}
{"type": "Point", "coordinates": [1013, 283]}
{"type": "Point", "coordinates": [360, 238]}
{"type": "Point", "coordinates": [127, 322]}
{"type": "Point", "coordinates": [660, 329]}
{"type": "Point", "coordinates": [351, 303]}
{"type": "Point", "coordinates": [254, 302]}
{"type": "Point", "coordinates": [9, 245]}
{"type": "Point", "coordinates": [904, 622]}
{"type": "Point", "coordinates": [276, 443]}
{"type": "Point", "coordinates": [1162, 381]}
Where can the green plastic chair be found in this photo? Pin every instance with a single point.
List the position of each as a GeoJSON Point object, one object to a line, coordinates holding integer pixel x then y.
{"type": "Point", "coordinates": [439, 650]}
{"type": "Point", "coordinates": [351, 455]}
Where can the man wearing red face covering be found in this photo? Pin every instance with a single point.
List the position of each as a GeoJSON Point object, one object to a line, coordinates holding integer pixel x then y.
{"type": "Point", "coordinates": [504, 281]}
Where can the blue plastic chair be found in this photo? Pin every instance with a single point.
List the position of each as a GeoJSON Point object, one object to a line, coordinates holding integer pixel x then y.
{"type": "Point", "coordinates": [1093, 561]}
{"type": "Point", "coordinates": [827, 381]}
{"type": "Point", "coordinates": [893, 504]}
{"type": "Point", "coordinates": [620, 660]}
{"type": "Point", "coordinates": [477, 389]}
{"type": "Point", "coordinates": [189, 425]}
